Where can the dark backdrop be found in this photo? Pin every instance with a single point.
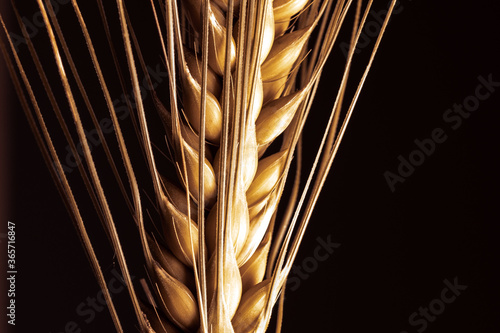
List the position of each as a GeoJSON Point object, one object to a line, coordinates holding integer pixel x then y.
{"type": "Point", "coordinates": [395, 251]}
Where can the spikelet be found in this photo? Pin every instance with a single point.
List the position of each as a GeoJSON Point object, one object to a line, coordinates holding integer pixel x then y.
{"type": "Point", "coordinates": [238, 225]}
{"type": "Point", "coordinates": [279, 112]}
{"type": "Point", "coordinates": [181, 233]}
{"type": "Point", "coordinates": [190, 163]}
{"type": "Point", "coordinates": [270, 170]}
{"type": "Point", "coordinates": [252, 272]}
{"type": "Point", "coordinates": [171, 264]}
{"type": "Point", "coordinates": [280, 61]}
{"type": "Point", "coordinates": [178, 302]}
{"type": "Point", "coordinates": [284, 10]}
{"type": "Point", "coordinates": [229, 291]}
{"type": "Point", "coordinates": [260, 218]}
{"type": "Point", "coordinates": [248, 318]}
{"type": "Point", "coordinates": [217, 34]}
{"type": "Point", "coordinates": [214, 84]}
{"type": "Point", "coordinates": [192, 102]}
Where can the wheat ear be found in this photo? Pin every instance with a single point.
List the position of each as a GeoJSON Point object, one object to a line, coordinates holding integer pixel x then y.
{"type": "Point", "coordinates": [242, 78]}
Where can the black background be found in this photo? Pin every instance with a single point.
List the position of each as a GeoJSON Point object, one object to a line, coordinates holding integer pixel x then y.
{"type": "Point", "coordinates": [396, 248]}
